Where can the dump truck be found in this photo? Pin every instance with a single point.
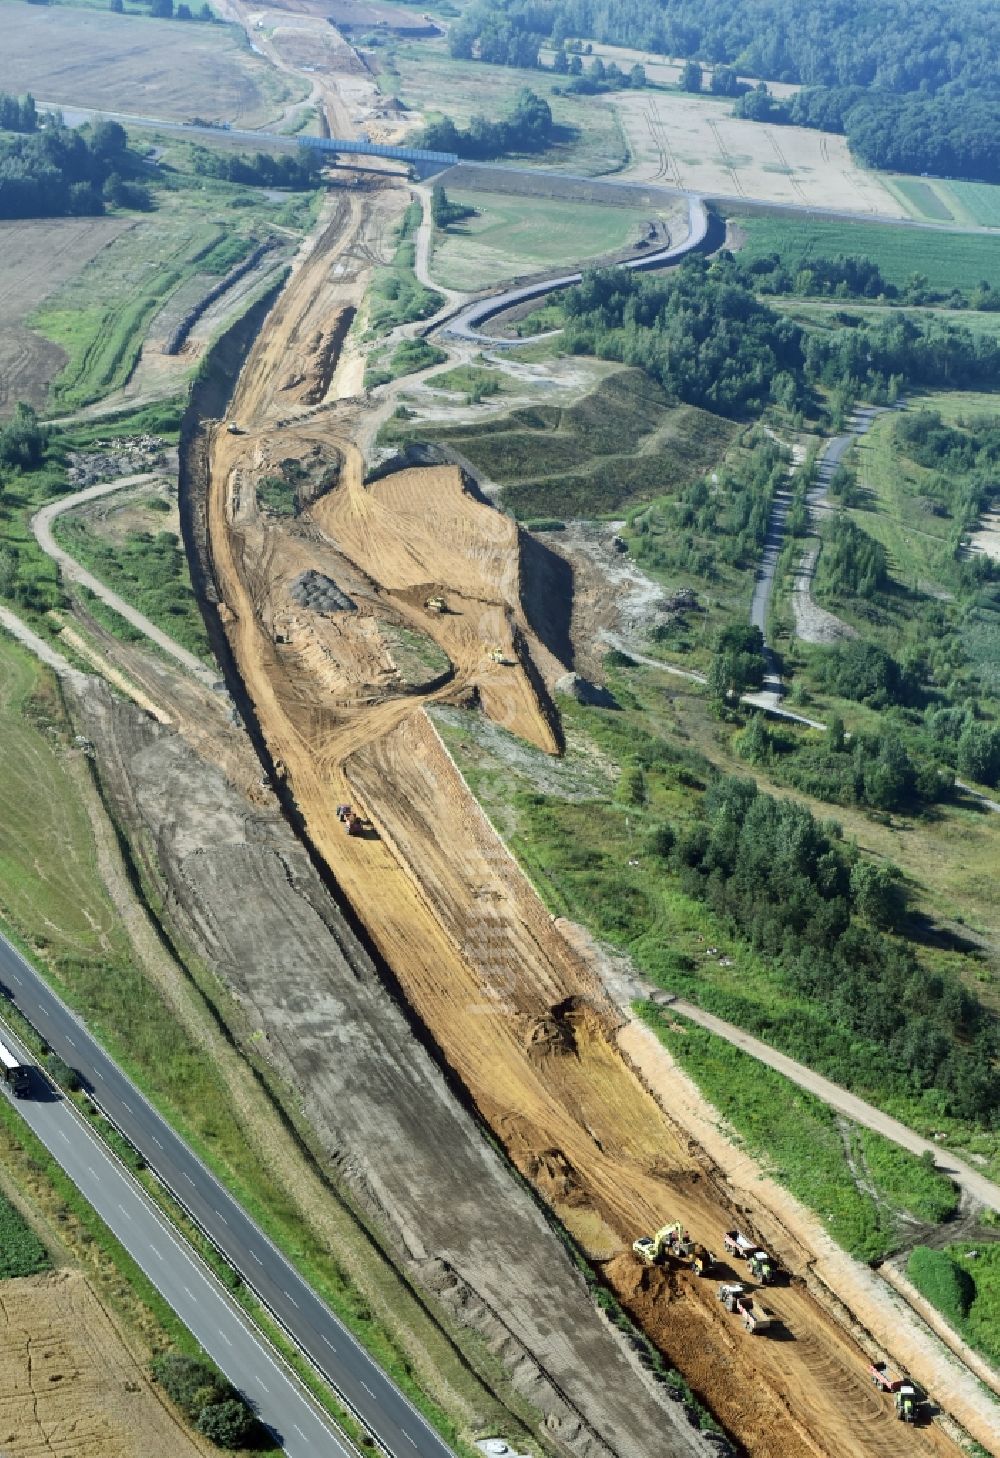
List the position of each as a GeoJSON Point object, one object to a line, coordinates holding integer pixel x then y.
{"type": "Point", "coordinates": [883, 1376]}
{"type": "Point", "coordinates": [737, 1299]}
{"type": "Point", "coordinates": [669, 1239]}
{"type": "Point", "coordinates": [702, 1260]}
{"type": "Point", "coordinates": [739, 1245]}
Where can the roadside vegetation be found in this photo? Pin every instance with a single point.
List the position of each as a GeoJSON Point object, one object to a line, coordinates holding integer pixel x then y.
{"type": "Point", "coordinates": [396, 296]}
{"type": "Point", "coordinates": [21, 1251]}
{"type": "Point", "coordinates": [964, 1284]}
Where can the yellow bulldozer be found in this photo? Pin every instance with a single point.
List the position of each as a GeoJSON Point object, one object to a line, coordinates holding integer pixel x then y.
{"type": "Point", "coordinates": [674, 1240]}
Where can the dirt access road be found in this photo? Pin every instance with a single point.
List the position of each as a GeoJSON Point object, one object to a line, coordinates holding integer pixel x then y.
{"type": "Point", "coordinates": [514, 1012]}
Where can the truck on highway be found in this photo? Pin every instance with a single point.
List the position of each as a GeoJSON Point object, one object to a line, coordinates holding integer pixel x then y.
{"type": "Point", "coordinates": [15, 1075]}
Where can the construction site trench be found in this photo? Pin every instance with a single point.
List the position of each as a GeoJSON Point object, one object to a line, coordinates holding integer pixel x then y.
{"type": "Point", "coordinates": [515, 1017]}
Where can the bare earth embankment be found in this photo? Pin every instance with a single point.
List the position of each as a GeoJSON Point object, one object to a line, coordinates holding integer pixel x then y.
{"type": "Point", "coordinates": [512, 1008]}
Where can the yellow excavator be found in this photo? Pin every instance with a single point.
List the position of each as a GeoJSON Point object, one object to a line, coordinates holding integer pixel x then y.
{"type": "Point", "coordinates": [674, 1240]}
{"type": "Point", "coordinates": [670, 1239]}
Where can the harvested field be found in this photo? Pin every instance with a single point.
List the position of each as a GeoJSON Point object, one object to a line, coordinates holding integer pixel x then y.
{"type": "Point", "coordinates": [513, 1010]}
{"type": "Point", "coordinates": [128, 63]}
{"type": "Point", "coordinates": [694, 143]}
{"type": "Point", "coordinates": [69, 1388]}
{"type": "Point", "coordinates": [38, 257]}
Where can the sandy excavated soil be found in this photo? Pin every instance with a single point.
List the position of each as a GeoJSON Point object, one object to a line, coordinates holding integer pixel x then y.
{"type": "Point", "coordinates": [514, 1011]}
{"type": "Point", "coordinates": [68, 1386]}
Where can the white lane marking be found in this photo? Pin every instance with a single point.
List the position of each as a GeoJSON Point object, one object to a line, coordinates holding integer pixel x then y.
{"type": "Point", "coordinates": [298, 1430]}
{"type": "Point", "coordinates": [293, 1301]}
{"type": "Point", "coordinates": [99, 1074]}
{"type": "Point", "coordinates": [16, 978]}
{"type": "Point", "coordinates": [367, 1389]}
{"type": "Point", "coordinates": [190, 1292]}
{"type": "Point", "coordinates": [410, 1440]}
{"type": "Point", "coordinates": [263, 1386]}
{"type": "Point", "coordinates": [155, 1251]}
{"type": "Point", "coordinates": [224, 1337]}
{"type": "Point", "coordinates": [125, 1212]}
{"type": "Point", "coordinates": [93, 1171]}
{"type": "Point", "coordinates": [188, 1178]}
{"type": "Point", "coordinates": [222, 1217]}
{"type": "Point", "coordinates": [329, 1344]}
{"type": "Point", "coordinates": [157, 1142]}
{"type": "Point", "coordinates": [69, 1040]}
{"type": "Point", "coordinates": [260, 1262]}
{"type": "Point", "coordinates": [64, 1135]}
{"type": "Point", "coordinates": [126, 1106]}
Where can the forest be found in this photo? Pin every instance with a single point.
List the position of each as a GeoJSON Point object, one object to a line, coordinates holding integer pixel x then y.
{"type": "Point", "coordinates": [59, 172]}
{"type": "Point", "coordinates": [914, 89]}
{"type": "Point", "coordinates": [823, 915]}
{"type": "Point", "coordinates": [706, 338]}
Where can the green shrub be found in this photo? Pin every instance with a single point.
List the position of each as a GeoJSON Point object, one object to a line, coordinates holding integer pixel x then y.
{"type": "Point", "coordinates": [21, 1252]}
{"type": "Point", "coordinates": [943, 1282]}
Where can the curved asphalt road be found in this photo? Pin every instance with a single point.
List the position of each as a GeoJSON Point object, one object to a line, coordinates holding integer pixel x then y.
{"type": "Point", "coordinates": [189, 1287]}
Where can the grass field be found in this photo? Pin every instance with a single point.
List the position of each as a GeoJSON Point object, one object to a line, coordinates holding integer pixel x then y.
{"type": "Point", "coordinates": [99, 316]}
{"type": "Point", "coordinates": [923, 199]}
{"type": "Point", "coordinates": [427, 80]}
{"type": "Point", "coordinates": [964, 1285]}
{"type": "Point", "coordinates": [623, 442]}
{"type": "Point", "coordinates": [88, 58]}
{"type": "Point", "coordinates": [859, 1183]}
{"type": "Point", "coordinates": [517, 235]}
{"type": "Point", "coordinates": [694, 142]}
{"type": "Point", "coordinates": [980, 200]}
{"type": "Point", "coordinates": [947, 260]}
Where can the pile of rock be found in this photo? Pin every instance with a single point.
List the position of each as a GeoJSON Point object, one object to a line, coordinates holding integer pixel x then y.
{"type": "Point", "coordinates": [320, 594]}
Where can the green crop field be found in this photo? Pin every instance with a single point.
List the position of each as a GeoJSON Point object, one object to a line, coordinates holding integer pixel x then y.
{"type": "Point", "coordinates": [947, 260]}
{"type": "Point", "coordinates": [21, 1252]}
{"type": "Point", "coordinates": [426, 79]}
{"type": "Point", "coordinates": [923, 199]}
{"type": "Point", "coordinates": [517, 235]}
{"type": "Point", "coordinates": [981, 200]}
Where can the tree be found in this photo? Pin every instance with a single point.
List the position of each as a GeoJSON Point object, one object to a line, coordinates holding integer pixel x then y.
{"type": "Point", "coordinates": [206, 12]}
{"type": "Point", "coordinates": [738, 662]}
{"type": "Point", "coordinates": [161, 9]}
{"type": "Point", "coordinates": [118, 6]}
{"type": "Point", "coordinates": [227, 1424]}
{"type": "Point", "coordinates": [183, 12]}
{"type": "Point", "coordinates": [979, 753]}
{"type": "Point", "coordinates": [878, 894]}
{"type": "Point", "coordinates": [725, 82]}
{"type": "Point", "coordinates": [691, 76]}
{"type": "Point", "coordinates": [637, 76]}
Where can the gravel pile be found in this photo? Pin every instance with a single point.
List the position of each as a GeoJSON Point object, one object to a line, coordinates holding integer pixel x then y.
{"type": "Point", "coordinates": [312, 590]}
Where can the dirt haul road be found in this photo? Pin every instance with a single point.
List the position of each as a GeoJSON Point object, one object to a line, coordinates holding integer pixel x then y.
{"type": "Point", "coordinates": [514, 1011]}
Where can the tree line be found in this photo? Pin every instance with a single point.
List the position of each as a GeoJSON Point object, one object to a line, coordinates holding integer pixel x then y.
{"type": "Point", "coordinates": [915, 91]}
{"type": "Point", "coordinates": [59, 172]}
{"type": "Point", "coordinates": [18, 113]}
{"type": "Point", "coordinates": [526, 128]}
{"type": "Point", "coordinates": [299, 170]}
{"type": "Point", "coordinates": [824, 918]}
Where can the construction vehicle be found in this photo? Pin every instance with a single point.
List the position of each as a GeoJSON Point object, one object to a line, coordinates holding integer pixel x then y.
{"type": "Point", "coordinates": [669, 1239]}
{"type": "Point", "coordinates": [884, 1377]}
{"type": "Point", "coordinates": [761, 1267]}
{"type": "Point", "coordinates": [436, 604]}
{"type": "Point", "coordinates": [233, 428]}
{"type": "Point", "coordinates": [908, 1399]}
{"type": "Point", "coordinates": [739, 1245]}
{"type": "Point", "coordinates": [14, 1073]}
{"type": "Point", "coordinates": [737, 1299]}
{"type": "Point", "coordinates": [702, 1260]}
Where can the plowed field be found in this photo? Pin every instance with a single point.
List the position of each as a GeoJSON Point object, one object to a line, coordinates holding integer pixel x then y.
{"type": "Point", "coordinates": [510, 1005]}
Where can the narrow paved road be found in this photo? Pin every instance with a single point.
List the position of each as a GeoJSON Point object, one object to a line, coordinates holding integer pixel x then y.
{"type": "Point", "coordinates": [976, 1184]}
{"type": "Point", "coordinates": [41, 525]}
{"type": "Point", "coordinates": [177, 1273]}
{"type": "Point", "coordinates": [385, 1411]}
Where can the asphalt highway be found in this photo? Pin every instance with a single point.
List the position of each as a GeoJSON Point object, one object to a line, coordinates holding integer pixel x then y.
{"type": "Point", "coordinates": [172, 1266]}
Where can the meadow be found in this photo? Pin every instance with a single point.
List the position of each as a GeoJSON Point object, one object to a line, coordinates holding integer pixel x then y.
{"type": "Point", "coordinates": [510, 236]}
{"type": "Point", "coordinates": [946, 260]}
{"type": "Point", "coordinates": [426, 79]}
